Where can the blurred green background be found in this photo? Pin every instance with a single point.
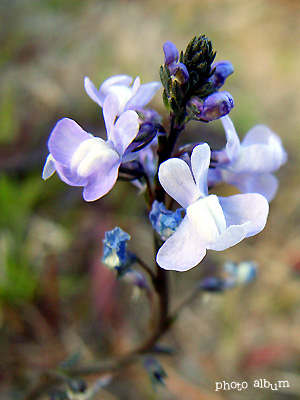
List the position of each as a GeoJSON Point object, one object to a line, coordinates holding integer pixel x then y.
{"type": "Point", "coordinates": [56, 298]}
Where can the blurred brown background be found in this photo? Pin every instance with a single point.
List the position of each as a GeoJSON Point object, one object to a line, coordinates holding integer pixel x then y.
{"type": "Point", "coordinates": [56, 299]}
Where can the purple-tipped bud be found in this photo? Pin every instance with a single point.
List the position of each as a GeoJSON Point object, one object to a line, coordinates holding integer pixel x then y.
{"type": "Point", "coordinates": [215, 106]}
{"type": "Point", "coordinates": [156, 372]}
{"type": "Point", "coordinates": [222, 70]}
{"type": "Point", "coordinates": [180, 72]}
{"type": "Point", "coordinates": [171, 53]}
{"type": "Point", "coordinates": [177, 69]}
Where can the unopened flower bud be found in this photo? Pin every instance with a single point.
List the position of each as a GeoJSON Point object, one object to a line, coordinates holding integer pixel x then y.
{"type": "Point", "coordinates": [212, 284]}
{"type": "Point", "coordinates": [146, 134]}
{"type": "Point", "coordinates": [77, 385]}
{"type": "Point", "coordinates": [171, 53]}
{"type": "Point", "coordinates": [177, 69]}
{"type": "Point", "coordinates": [215, 106]}
{"type": "Point", "coordinates": [156, 372]}
{"type": "Point", "coordinates": [222, 70]}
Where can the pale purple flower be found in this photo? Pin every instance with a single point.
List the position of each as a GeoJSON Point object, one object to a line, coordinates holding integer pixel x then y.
{"type": "Point", "coordinates": [134, 97]}
{"type": "Point", "coordinates": [210, 222]}
{"type": "Point", "coordinates": [249, 165]}
{"type": "Point", "coordinates": [84, 160]}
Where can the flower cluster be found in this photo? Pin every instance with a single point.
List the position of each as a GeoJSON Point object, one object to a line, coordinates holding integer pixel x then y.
{"type": "Point", "coordinates": [204, 221]}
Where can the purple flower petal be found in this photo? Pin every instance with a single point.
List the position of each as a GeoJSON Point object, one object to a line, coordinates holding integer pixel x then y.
{"type": "Point", "coordinates": [69, 177]}
{"type": "Point", "coordinates": [171, 52]}
{"type": "Point", "coordinates": [183, 250]}
{"type": "Point", "coordinates": [101, 183]}
{"type": "Point", "coordinates": [64, 140]}
{"type": "Point", "coordinates": [93, 92]}
{"type": "Point", "coordinates": [176, 178]}
{"type": "Point", "coordinates": [143, 96]}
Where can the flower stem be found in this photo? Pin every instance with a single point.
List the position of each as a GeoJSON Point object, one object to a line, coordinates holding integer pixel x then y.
{"type": "Point", "coordinates": [165, 151]}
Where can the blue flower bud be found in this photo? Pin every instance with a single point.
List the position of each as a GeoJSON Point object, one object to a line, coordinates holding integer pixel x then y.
{"type": "Point", "coordinates": [164, 221]}
{"type": "Point", "coordinates": [77, 385]}
{"type": "Point", "coordinates": [155, 371]}
{"type": "Point", "coordinates": [115, 254]}
{"type": "Point", "coordinates": [177, 69]}
{"type": "Point", "coordinates": [212, 284]}
{"type": "Point", "coordinates": [222, 70]}
{"type": "Point", "coordinates": [180, 72]}
{"type": "Point", "coordinates": [215, 106]}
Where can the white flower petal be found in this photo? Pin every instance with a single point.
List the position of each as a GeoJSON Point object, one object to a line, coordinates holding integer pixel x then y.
{"type": "Point", "coordinates": [259, 134]}
{"type": "Point", "coordinates": [230, 237]}
{"type": "Point", "coordinates": [208, 219]}
{"type": "Point", "coordinates": [183, 250]}
{"type": "Point", "coordinates": [233, 141]}
{"type": "Point", "coordinates": [116, 80]}
{"type": "Point", "coordinates": [200, 161]}
{"type": "Point", "coordinates": [124, 131]}
{"type": "Point", "coordinates": [176, 178]}
{"type": "Point", "coordinates": [92, 156]}
{"type": "Point", "coordinates": [267, 145]}
{"type": "Point", "coordinates": [93, 92]}
{"type": "Point", "coordinates": [49, 167]}
{"type": "Point", "coordinates": [264, 184]}
{"type": "Point", "coordinates": [110, 112]}
{"type": "Point", "coordinates": [242, 208]}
